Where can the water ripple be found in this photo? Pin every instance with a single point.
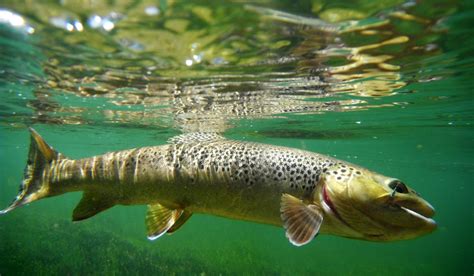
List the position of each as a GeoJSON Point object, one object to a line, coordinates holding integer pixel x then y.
{"type": "Point", "coordinates": [190, 66]}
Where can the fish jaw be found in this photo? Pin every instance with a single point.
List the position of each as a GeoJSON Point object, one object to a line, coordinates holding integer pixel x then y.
{"type": "Point", "coordinates": [362, 204]}
{"type": "Point", "coordinates": [409, 216]}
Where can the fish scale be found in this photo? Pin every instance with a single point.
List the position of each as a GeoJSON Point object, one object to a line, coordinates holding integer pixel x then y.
{"type": "Point", "coordinates": [305, 192]}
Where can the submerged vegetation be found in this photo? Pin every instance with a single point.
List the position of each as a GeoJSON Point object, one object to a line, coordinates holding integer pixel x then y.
{"type": "Point", "coordinates": [64, 247]}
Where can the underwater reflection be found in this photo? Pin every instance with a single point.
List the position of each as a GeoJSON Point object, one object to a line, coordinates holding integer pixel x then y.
{"type": "Point", "coordinates": [191, 67]}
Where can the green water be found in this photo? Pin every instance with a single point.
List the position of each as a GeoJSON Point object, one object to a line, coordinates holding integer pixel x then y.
{"type": "Point", "coordinates": [383, 84]}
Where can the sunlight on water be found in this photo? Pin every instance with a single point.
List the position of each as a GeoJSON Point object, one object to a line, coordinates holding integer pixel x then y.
{"type": "Point", "coordinates": [183, 64]}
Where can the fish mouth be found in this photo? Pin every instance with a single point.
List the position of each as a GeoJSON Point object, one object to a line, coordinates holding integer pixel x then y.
{"type": "Point", "coordinates": [428, 220]}
{"type": "Point", "coordinates": [418, 211]}
{"type": "Point", "coordinates": [421, 210]}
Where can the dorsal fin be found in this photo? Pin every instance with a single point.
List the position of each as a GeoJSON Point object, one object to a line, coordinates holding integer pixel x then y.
{"type": "Point", "coordinates": [91, 204]}
{"type": "Point", "coordinates": [195, 137]}
{"type": "Point", "coordinates": [301, 221]}
{"type": "Point", "coordinates": [159, 219]}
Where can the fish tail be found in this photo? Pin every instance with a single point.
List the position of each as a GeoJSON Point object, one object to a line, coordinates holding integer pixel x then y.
{"type": "Point", "coordinates": [34, 185]}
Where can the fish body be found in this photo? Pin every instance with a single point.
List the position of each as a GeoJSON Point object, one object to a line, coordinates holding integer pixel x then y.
{"type": "Point", "coordinates": [305, 192]}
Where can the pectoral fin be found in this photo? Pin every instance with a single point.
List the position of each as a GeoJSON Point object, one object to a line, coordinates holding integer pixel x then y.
{"type": "Point", "coordinates": [301, 221]}
{"type": "Point", "coordinates": [90, 205]}
{"type": "Point", "coordinates": [160, 219]}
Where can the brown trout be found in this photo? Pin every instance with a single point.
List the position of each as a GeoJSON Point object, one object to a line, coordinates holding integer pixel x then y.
{"type": "Point", "coordinates": [305, 192]}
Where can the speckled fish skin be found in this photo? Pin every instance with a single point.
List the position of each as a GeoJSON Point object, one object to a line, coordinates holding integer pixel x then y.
{"type": "Point", "coordinates": [305, 192]}
{"type": "Point", "coordinates": [241, 180]}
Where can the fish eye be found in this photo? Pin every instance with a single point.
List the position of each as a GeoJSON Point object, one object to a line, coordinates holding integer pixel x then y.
{"type": "Point", "coordinates": [398, 186]}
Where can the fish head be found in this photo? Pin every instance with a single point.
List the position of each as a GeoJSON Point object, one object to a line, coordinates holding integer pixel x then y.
{"type": "Point", "coordinates": [370, 206]}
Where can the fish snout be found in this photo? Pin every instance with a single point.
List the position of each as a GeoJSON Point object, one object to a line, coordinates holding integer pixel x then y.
{"type": "Point", "coordinates": [417, 215]}
{"type": "Point", "coordinates": [420, 206]}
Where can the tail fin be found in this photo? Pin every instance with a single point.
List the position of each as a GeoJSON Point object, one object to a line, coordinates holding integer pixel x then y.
{"type": "Point", "coordinates": [34, 187]}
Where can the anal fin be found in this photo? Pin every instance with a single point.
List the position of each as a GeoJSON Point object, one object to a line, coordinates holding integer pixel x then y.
{"type": "Point", "coordinates": [160, 220]}
{"type": "Point", "coordinates": [301, 221]}
{"type": "Point", "coordinates": [90, 205]}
